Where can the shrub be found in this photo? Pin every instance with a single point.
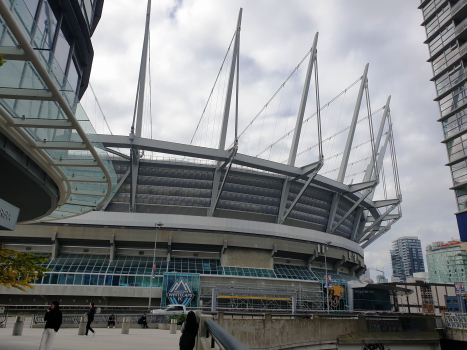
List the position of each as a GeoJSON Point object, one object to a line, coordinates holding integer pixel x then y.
{"type": "Point", "coordinates": [180, 318]}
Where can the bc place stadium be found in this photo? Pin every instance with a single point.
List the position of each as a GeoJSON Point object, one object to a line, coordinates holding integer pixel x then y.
{"type": "Point", "coordinates": [264, 210]}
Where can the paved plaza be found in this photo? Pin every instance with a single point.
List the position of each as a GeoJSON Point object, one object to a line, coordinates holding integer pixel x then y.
{"type": "Point", "coordinates": [68, 339]}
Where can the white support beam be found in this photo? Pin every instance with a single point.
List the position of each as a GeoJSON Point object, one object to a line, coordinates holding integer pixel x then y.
{"type": "Point", "coordinates": [120, 183]}
{"type": "Point", "coordinates": [381, 218]}
{"type": "Point", "coordinates": [75, 163]}
{"type": "Point", "coordinates": [134, 168]}
{"type": "Point", "coordinates": [353, 125]}
{"type": "Point", "coordinates": [219, 192]}
{"type": "Point", "coordinates": [362, 186]}
{"type": "Point", "coordinates": [299, 195]}
{"type": "Point", "coordinates": [373, 237]}
{"type": "Point", "coordinates": [88, 193]}
{"type": "Point", "coordinates": [388, 217]}
{"type": "Point", "coordinates": [356, 224]}
{"type": "Point", "coordinates": [142, 74]}
{"type": "Point", "coordinates": [301, 110]}
{"type": "Point", "coordinates": [308, 169]}
{"type": "Point", "coordinates": [43, 123]}
{"type": "Point", "coordinates": [216, 191]}
{"type": "Point", "coordinates": [13, 53]}
{"type": "Point", "coordinates": [228, 97]}
{"type": "Point", "coordinates": [332, 211]}
{"type": "Point", "coordinates": [380, 159]}
{"type": "Point", "coordinates": [350, 211]}
{"type": "Point", "coordinates": [369, 170]}
{"type": "Point", "coordinates": [74, 178]}
{"type": "Point", "coordinates": [117, 153]}
{"type": "Point", "coordinates": [26, 94]}
{"type": "Point", "coordinates": [88, 204]}
{"type": "Point", "coordinates": [60, 145]}
{"type": "Point", "coordinates": [385, 203]}
{"type": "Point", "coordinates": [284, 196]}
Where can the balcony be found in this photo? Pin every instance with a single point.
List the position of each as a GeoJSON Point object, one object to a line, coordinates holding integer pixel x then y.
{"type": "Point", "coordinates": [459, 10]}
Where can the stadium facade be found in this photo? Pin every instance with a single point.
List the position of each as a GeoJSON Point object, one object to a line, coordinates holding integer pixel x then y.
{"type": "Point", "coordinates": [241, 229]}
{"type": "Point", "coordinates": [445, 24]}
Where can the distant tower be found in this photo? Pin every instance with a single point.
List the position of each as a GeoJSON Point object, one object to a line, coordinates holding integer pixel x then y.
{"type": "Point", "coordinates": [406, 257]}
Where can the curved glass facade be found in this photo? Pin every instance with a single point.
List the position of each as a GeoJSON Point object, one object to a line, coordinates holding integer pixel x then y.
{"type": "Point", "coordinates": [135, 271]}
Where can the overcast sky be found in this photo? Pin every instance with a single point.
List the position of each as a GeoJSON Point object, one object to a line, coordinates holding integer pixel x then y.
{"type": "Point", "coordinates": [189, 40]}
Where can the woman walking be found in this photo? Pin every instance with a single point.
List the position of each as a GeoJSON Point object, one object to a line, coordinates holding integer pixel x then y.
{"type": "Point", "coordinates": [53, 321]}
{"type": "Point", "coordinates": [189, 332]}
{"type": "Point", "coordinates": [91, 313]}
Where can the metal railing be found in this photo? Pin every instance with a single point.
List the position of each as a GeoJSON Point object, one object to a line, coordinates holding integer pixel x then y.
{"type": "Point", "coordinates": [103, 318]}
{"type": "Point", "coordinates": [80, 309]}
{"type": "Point", "coordinates": [456, 320]}
{"type": "Point", "coordinates": [222, 338]}
{"type": "Point", "coordinates": [458, 6]}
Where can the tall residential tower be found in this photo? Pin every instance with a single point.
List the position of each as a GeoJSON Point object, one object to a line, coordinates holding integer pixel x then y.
{"type": "Point", "coordinates": [406, 257]}
{"type": "Point", "coordinates": [445, 23]}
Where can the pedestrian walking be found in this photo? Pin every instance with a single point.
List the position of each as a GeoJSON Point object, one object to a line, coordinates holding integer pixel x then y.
{"type": "Point", "coordinates": [53, 321]}
{"type": "Point", "coordinates": [91, 313]}
{"type": "Point", "coordinates": [189, 332]}
{"type": "Point", "coordinates": [111, 321]}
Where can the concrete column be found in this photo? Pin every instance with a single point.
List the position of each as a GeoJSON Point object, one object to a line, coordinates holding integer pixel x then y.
{"type": "Point", "coordinates": [202, 325]}
{"type": "Point", "coordinates": [18, 326]}
{"type": "Point", "coordinates": [113, 248]}
{"type": "Point", "coordinates": [169, 250]}
{"type": "Point", "coordinates": [55, 245]}
{"type": "Point", "coordinates": [268, 331]}
{"type": "Point", "coordinates": [173, 326]}
{"type": "Point", "coordinates": [82, 325]}
{"type": "Point", "coordinates": [126, 325]}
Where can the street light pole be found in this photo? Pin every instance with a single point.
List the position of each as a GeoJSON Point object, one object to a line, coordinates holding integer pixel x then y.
{"type": "Point", "coordinates": [326, 278]}
{"type": "Point", "coordinates": [158, 225]}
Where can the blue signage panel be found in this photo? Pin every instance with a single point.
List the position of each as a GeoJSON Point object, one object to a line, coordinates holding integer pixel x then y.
{"type": "Point", "coordinates": [180, 288]}
{"type": "Point", "coordinates": [462, 225]}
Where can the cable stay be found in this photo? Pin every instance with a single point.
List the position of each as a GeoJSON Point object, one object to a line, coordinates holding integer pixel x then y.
{"type": "Point", "coordinates": [275, 94]}
{"type": "Point", "coordinates": [326, 139]}
{"type": "Point", "coordinates": [100, 108]}
{"type": "Point", "coordinates": [213, 87]}
{"type": "Point", "coordinates": [305, 121]}
{"type": "Point", "coordinates": [356, 162]}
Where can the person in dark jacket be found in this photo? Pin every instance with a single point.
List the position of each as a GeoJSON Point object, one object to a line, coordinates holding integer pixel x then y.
{"type": "Point", "coordinates": [53, 321]}
{"type": "Point", "coordinates": [111, 321]}
{"type": "Point", "coordinates": [91, 313]}
{"type": "Point", "coordinates": [143, 321]}
{"type": "Point", "coordinates": [189, 332]}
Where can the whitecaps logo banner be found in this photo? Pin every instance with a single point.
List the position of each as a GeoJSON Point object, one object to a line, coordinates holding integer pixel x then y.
{"type": "Point", "coordinates": [180, 292]}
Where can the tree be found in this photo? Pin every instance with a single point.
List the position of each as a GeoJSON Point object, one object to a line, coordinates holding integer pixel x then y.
{"type": "Point", "coordinates": [2, 62]}
{"type": "Point", "coordinates": [19, 270]}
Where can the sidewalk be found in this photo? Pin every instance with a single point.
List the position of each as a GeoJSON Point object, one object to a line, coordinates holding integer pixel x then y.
{"type": "Point", "coordinates": [68, 339]}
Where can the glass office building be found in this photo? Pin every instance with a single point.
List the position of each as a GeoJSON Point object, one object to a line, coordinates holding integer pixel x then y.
{"type": "Point", "coordinates": [445, 23]}
{"type": "Point", "coordinates": [406, 257]}
{"type": "Point", "coordinates": [447, 262]}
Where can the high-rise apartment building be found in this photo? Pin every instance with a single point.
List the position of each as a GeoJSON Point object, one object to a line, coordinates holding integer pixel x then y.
{"type": "Point", "coordinates": [445, 23]}
{"type": "Point", "coordinates": [447, 262]}
{"type": "Point", "coordinates": [381, 279]}
{"type": "Point", "coordinates": [406, 257]}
